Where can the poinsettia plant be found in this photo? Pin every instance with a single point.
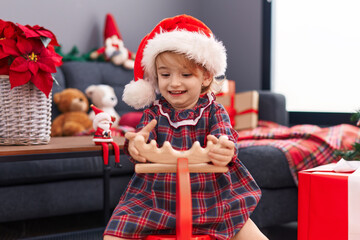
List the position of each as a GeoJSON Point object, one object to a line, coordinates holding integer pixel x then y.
{"type": "Point", "coordinates": [27, 53]}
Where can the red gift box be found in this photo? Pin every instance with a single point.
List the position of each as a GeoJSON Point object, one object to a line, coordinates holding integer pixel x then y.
{"type": "Point", "coordinates": [329, 204]}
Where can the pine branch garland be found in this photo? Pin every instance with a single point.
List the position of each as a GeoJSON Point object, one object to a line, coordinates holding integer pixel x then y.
{"type": "Point", "coordinates": [353, 154]}
{"type": "Point", "coordinates": [355, 117]}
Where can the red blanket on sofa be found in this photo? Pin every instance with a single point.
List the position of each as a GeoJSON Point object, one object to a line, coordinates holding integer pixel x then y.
{"type": "Point", "coordinates": [305, 146]}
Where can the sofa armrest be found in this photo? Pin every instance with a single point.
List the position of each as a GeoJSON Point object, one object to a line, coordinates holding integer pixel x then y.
{"type": "Point", "coordinates": [272, 107]}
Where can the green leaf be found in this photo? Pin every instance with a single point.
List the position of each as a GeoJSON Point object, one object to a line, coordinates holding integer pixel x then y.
{"type": "Point", "coordinates": [45, 41]}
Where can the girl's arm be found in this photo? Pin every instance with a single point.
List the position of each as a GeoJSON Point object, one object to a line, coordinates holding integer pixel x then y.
{"type": "Point", "coordinates": [220, 125]}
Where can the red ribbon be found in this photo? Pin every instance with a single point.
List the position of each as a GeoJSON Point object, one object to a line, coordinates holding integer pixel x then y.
{"type": "Point", "coordinates": [250, 110]}
{"type": "Point", "coordinates": [232, 111]}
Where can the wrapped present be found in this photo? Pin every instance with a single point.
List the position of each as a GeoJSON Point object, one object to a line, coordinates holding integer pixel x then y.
{"type": "Point", "coordinates": [227, 90]}
{"type": "Point", "coordinates": [246, 106]}
{"type": "Point", "coordinates": [226, 97]}
{"type": "Point", "coordinates": [329, 202]}
{"type": "Point", "coordinates": [241, 107]}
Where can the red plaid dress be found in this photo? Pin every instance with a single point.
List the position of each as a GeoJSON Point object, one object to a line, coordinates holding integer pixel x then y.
{"type": "Point", "coordinates": [222, 202]}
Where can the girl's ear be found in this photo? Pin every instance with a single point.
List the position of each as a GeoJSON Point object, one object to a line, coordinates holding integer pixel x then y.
{"type": "Point", "coordinates": [208, 77]}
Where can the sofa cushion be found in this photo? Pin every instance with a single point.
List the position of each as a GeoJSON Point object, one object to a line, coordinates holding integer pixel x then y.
{"type": "Point", "coordinates": [41, 171]}
{"type": "Point", "coordinates": [268, 165]}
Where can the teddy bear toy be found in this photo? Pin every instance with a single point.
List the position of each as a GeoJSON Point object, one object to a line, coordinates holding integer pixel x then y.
{"type": "Point", "coordinates": [114, 49]}
{"type": "Point", "coordinates": [73, 105]}
{"type": "Point", "coordinates": [104, 97]}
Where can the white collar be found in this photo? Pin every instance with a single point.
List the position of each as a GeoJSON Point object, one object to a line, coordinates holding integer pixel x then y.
{"type": "Point", "coordinates": [186, 122]}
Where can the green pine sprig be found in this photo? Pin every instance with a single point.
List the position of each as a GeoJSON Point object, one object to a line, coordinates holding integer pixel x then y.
{"type": "Point", "coordinates": [355, 117]}
{"type": "Point", "coordinates": [353, 154]}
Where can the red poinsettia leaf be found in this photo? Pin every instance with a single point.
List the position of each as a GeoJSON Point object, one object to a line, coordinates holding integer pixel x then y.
{"type": "Point", "coordinates": [10, 30]}
{"type": "Point", "coordinates": [37, 31]}
{"type": "Point", "coordinates": [28, 31]}
{"type": "Point", "coordinates": [2, 53]}
{"type": "Point", "coordinates": [43, 81]}
{"type": "Point", "coordinates": [38, 47]}
{"type": "Point", "coordinates": [20, 64]}
{"type": "Point", "coordinates": [50, 59]}
{"type": "Point", "coordinates": [4, 66]}
{"type": "Point", "coordinates": [58, 60]}
{"type": "Point", "coordinates": [24, 45]}
{"type": "Point", "coordinates": [43, 31]}
{"type": "Point", "coordinates": [55, 56]}
{"type": "Point", "coordinates": [2, 25]}
{"type": "Point", "coordinates": [46, 33]}
{"type": "Point", "coordinates": [33, 67]}
{"type": "Point", "coordinates": [19, 78]}
{"type": "Point", "coordinates": [50, 68]}
{"type": "Point", "coordinates": [9, 47]}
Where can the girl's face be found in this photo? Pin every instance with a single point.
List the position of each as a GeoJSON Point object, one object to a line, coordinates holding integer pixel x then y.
{"type": "Point", "coordinates": [180, 81]}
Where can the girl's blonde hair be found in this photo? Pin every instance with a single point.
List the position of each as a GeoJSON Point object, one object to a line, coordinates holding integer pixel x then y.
{"type": "Point", "coordinates": [214, 86]}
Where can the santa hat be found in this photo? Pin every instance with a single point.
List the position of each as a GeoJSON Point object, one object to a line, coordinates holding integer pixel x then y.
{"type": "Point", "coordinates": [181, 34]}
{"type": "Point", "coordinates": [100, 115]}
{"type": "Point", "coordinates": [110, 27]}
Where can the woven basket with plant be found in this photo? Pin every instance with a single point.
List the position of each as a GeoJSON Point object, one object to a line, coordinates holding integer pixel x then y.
{"type": "Point", "coordinates": [27, 62]}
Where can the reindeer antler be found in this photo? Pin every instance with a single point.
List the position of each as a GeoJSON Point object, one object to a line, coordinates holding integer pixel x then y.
{"type": "Point", "coordinates": [166, 154]}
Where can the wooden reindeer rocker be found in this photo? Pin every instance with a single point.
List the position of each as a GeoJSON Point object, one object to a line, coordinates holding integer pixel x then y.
{"type": "Point", "coordinates": [102, 124]}
{"type": "Point", "coordinates": [165, 160]}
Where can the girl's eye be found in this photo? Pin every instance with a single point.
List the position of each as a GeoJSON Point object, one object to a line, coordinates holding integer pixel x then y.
{"type": "Point", "coordinates": [187, 74]}
{"type": "Point", "coordinates": [165, 74]}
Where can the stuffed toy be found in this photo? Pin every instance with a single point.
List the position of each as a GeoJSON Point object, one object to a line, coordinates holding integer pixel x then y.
{"type": "Point", "coordinates": [114, 49]}
{"type": "Point", "coordinates": [73, 105]}
{"type": "Point", "coordinates": [103, 96]}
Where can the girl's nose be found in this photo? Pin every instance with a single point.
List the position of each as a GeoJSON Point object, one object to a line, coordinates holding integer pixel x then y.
{"type": "Point", "coordinates": [175, 81]}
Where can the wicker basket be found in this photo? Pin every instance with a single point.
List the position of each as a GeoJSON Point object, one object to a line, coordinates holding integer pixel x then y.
{"type": "Point", "coordinates": [25, 114]}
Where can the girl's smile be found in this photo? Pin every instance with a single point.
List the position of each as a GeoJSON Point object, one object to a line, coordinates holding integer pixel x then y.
{"type": "Point", "coordinates": [175, 93]}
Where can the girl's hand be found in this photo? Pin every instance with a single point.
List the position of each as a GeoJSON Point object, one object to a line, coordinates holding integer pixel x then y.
{"type": "Point", "coordinates": [223, 155]}
{"type": "Point", "coordinates": [145, 132]}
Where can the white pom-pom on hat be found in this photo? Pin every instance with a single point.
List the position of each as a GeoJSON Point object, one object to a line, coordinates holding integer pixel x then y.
{"type": "Point", "coordinates": [139, 94]}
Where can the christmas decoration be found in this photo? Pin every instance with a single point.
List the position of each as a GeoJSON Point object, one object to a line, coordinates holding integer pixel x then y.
{"type": "Point", "coordinates": [353, 154]}
{"type": "Point", "coordinates": [74, 55]}
{"type": "Point", "coordinates": [328, 203]}
{"type": "Point", "coordinates": [27, 54]}
{"type": "Point", "coordinates": [102, 124]}
{"type": "Point", "coordinates": [114, 49]}
{"type": "Point", "coordinates": [242, 107]}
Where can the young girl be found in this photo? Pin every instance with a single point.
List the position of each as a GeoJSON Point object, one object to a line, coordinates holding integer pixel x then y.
{"type": "Point", "coordinates": [179, 59]}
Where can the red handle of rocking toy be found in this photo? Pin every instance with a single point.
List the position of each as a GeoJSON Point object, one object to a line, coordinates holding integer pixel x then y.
{"type": "Point", "coordinates": [183, 207]}
{"type": "Point", "coordinates": [183, 201]}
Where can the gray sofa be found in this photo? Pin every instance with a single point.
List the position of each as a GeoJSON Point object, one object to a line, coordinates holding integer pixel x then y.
{"type": "Point", "coordinates": [44, 188]}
